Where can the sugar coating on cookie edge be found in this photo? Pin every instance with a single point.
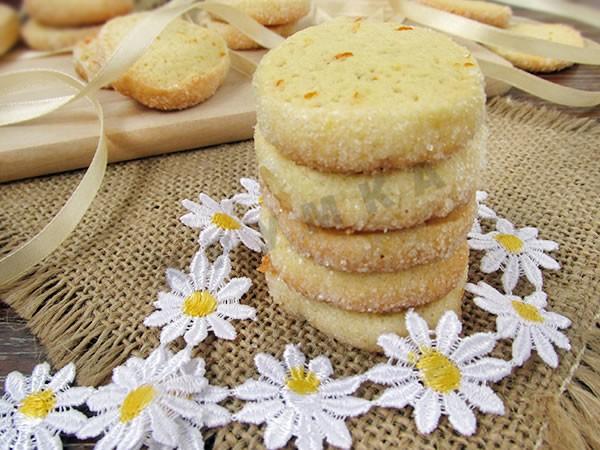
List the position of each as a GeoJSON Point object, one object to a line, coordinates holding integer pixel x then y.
{"type": "Point", "coordinates": [355, 96]}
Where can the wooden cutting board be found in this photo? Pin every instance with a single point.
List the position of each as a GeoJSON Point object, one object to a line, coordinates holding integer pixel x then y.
{"type": "Point", "coordinates": [66, 139]}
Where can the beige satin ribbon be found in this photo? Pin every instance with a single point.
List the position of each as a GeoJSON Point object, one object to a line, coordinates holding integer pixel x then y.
{"type": "Point", "coordinates": [488, 35]}
{"type": "Point", "coordinates": [569, 10]}
{"type": "Point", "coordinates": [141, 37]}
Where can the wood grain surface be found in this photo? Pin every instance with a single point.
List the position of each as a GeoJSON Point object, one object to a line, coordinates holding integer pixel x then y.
{"type": "Point", "coordinates": [20, 351]}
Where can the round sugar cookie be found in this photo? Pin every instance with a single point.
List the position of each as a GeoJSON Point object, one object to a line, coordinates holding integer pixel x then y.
{"type": "Point", "coordinates": [272, 12]}
{"type": "Point", "coordinates": [484, 12]}
{"type": "Point", "coordinates": [357, 329]}
{"type": "Point", "coordinates": [236, 40]}
{"type": "Point", "coordinates": [367, 292]}
{"type": "Point", "coordinates": [553, 32]}
{"type": "Point", "coordinates": [184, 66]}
{"type": "Point", "coordinates": [358, 96]}
{"type": "Point", "coordinates": [45, 38]}
{"type": "Point", "coordinates": [371, 202]}
{"type": "Point", "coordinates": [75, 13]}
{"type": "Point", "coordinates": [391, 251]}
{"type": "Point", "coordinates": [9, 28]}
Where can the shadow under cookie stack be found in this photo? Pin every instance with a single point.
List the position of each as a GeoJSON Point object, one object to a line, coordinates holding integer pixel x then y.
{"type": "Point", "coordinates": [370, 143]}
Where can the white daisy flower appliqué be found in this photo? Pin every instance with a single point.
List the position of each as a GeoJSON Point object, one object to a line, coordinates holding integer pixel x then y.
{"type": "Point", "coordinates": [251, 199]}
{"type": "Point", "coordinates": [300, 400]}
{"type": "Point", "coordinates": [201, 301]}
{"type": "Point", "coordinates": [447, 375]}
{"type": "Point", "coordinates": [150, 402]}
{"type": "Point", "coordinates": [516, 252]}
{"type": "Point", "coordinates": [219, 222]}
{"type": "Point", "coordinates": [35, 410]}
{"type": "Point", "coordinates": [209, 413]}
{"type": "Point", "coordinates": [483, 211]}
{"type": "Point", "coordinates": [526, 320]}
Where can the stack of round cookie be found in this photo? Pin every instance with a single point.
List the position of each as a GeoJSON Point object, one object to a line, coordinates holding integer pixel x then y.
{"type": "Point", "coordinates": [280, 16]}
{"type": "Point", "coordinates": [59, 24]}
{"type": "Point", "coordinates": [370, 141]}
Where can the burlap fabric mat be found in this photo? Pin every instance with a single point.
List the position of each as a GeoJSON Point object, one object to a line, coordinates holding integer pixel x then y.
{"type": "Point", "coordinates": [86, 302]}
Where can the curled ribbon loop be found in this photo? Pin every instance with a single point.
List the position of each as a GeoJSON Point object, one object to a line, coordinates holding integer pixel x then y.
{"type": "Point", "coordinates": [569, 10]}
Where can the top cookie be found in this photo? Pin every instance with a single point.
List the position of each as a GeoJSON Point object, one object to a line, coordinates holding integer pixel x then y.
{"type": "Point", "coordinates": [74, 13]}
{"type": "Point", "coordinates": [272, 12]}
{"type": "Point", "coordinates": [359, 96]}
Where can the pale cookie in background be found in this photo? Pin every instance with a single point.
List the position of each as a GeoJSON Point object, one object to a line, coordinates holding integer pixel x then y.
{"type": "Point", "coordinates": [371, 202]}
{"type": "Point", "coordinates": [368, 292]}
{"type": "Point", "coordinates": [236, 40]}
{"type": "Point", "coordinates": [373, 252]}
{"type": "Point", "coordinates": [184, 66]}
{"type": "Point", "coordinates": [45, 38]}
{"type": "Point", "coordinates": [357, 96]}
{"type": "Point", "coordinates": [143, 5]}
{"type": "Point", "coordinates": [484, 12]}
{"type": "Point", "coordinates": [358, 329]}
{"type": "Point", "coordinates": [556, 32]}
{"type": "Point", "coordinates": [9, 28]}
{"type": "Point", "coordinates": [87, 58]}
{"type": "Point", "coordinates": [272, 12]}
{"type": "Point", "coordinates": [74, 13]}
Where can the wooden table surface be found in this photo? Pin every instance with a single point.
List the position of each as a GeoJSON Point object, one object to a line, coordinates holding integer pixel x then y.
{"type": "Point", "coordinates": [19, 350]}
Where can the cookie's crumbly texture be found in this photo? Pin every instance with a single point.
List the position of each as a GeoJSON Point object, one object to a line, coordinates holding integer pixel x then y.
{"type": "Point", "coordinates": [358, 329]}
{"type": "Point", "coordinates": [46, 38]}
{"type": "Point", "coordinates": [374, 252]}
{"type": "Point", "coordinates": [75, 13]}
{"type": "Point", "coordinates": [553, 32]}
{"type": "Point", "coordinates": [236, 40]}
{"type": "Point", "coordinates": [184, 66]}
{"type": "Point", "coordinates": [484, 12]}
{"type": "Point", "coordinates": [9, 28]}
{"type": "Point", "coordinates": [363, 202]}
{"type": "Point", "coordinates": [366, 292]}
{"type": "Point", "coordinates": [356, 96]}
{"type": "Point", "coordinates": [272, 12]}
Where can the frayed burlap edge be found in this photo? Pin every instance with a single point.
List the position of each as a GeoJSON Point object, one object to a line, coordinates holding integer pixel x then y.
{"type": "Point", "coordinates": [572, 414]}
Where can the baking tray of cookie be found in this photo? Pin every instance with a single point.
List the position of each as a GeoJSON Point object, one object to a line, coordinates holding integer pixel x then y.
{"type": "Point", "coordinates": [67, 139]}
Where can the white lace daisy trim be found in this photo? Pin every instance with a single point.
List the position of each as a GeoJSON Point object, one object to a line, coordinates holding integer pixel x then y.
{"type": "Point", "coordinates": [203, 300]}
{"type": "Point", "coordinates": [526, 321]}
{"type": "Point", "coordinates": [515, 251]}
{"type": "Point", "coordinates": [483, 211]}
{"type": "Point", "coordinates": [165, 402]}
{"type": "Point", "coordinates": [300, 400]}
{"type": "Point", "coordinates": [251, 199]}
{"type": "Point", "coordinates": [440, 373]}
{"type": "Point", "coordinates": [35, 410]}
{"type": "Point", "coordinates": [218, 222]}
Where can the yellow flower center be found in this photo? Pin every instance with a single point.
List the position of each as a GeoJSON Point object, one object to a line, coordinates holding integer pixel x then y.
{"type": "Point", "coordinates": [260, 200]}
{"type": "Point", "coordinates": [38, 404]}
{"type": "Point", "coordinates": [527, 312]}
{"type": "Point", "coordinates": [136, 401]}
{"type": "Point", "coordinates": [439, 373]}
{"type": "Point", "coordinates": [225, 221]}
{"type": "Point", "coordinates": [303, 382]}
{"type": "Point", "coordinates": [199, 304]}
{"type": "Point", "coordinates": [510, 242]}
